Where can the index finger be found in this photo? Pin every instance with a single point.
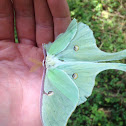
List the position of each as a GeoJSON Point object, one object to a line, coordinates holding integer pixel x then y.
{"type": "Point", "coordinates": [61, 15]}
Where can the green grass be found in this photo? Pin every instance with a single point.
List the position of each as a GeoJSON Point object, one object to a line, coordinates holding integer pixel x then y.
{"type": "Point", "coordinates": [107, 104]}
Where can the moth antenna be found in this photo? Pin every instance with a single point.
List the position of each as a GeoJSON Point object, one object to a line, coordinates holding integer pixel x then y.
{"type": "Point", "coordinates": [34, 68]}
{"type": "Point", "coordinates": [37, 62]}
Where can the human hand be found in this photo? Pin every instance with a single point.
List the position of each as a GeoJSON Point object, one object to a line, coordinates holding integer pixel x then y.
{"type": "Point", "coordinates": [37, 22]}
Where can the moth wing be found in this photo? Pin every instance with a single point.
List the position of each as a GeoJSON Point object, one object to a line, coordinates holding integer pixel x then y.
{"type": "Point", "coordinates": [59, 35]}
{"type": "Point", "coordinates": [83, 48]}
{"type": "Point", "coordinates": [64, 39]}
{"type": "Point", "coordinates": [57, 108]}
{"type": "Point", "coordinates": [86, 73]}
{"type": "Point", "coordinates": [47, 46]}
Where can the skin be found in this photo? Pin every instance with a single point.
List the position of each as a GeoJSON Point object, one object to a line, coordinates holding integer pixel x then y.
{"type": "Point", "coordinates": [37, 22]}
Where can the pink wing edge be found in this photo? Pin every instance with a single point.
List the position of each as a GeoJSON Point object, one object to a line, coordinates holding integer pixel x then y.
{"type": "Point", "coordinates": [42, 85]}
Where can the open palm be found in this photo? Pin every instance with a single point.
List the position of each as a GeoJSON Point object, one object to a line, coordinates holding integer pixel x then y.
{"type": "Point", "coordinates": [37, 22]}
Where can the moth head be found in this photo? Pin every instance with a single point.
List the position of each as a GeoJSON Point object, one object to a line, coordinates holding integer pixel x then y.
{"type": "Point", "coordinates": [50, 61]}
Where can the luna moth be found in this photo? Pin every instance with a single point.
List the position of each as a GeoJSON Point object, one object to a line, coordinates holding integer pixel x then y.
{"type": "Point", "coordinates": [71, 64]}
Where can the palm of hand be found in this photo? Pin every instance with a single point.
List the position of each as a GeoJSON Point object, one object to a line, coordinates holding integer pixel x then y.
{"type": "Point", "coordinates": [20, 89]}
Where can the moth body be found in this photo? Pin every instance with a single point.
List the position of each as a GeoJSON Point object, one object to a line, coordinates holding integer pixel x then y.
{"type": "Point", "coordinates": [52, 61]}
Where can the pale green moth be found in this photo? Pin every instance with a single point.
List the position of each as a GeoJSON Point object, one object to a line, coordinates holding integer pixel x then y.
{"type": "Point", "coordinates": [71, 65]}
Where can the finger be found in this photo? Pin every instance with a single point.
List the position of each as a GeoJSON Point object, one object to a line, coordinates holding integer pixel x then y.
{"type": "Point", "coordinates": [61, 15]}
{"type": "Point", "coordinates": [25, 22]}
{"type": "Point", "coordinates": [44, 22]}
{"type": "Point", "coordinates": [6, 21]}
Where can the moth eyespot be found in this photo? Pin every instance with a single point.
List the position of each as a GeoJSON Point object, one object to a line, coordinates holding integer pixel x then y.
{"type": "Point", "coordinates": [76, 47]}
{"type": "Point", "coordinates": [75, 76]}
{"type": "Point", "coordinates": [50, 93]}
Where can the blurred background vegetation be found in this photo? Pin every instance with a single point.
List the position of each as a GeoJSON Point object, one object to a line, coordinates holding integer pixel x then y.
{"type": "Point", "coordinates": [107, 104]}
